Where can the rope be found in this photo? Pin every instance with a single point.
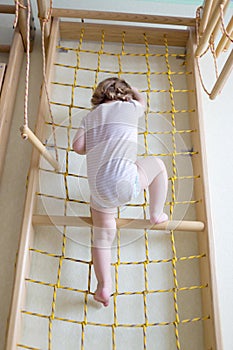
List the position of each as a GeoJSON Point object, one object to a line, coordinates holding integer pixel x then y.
{"type": "Point", "coordinates": [213, 51]}
{"type": "Point", "coordinates": [44, 21]}
{"type": "Point", "coordinates": [223, 27]}
{"type": "Point", "coordinates": [210, 46]}
{"type": "Point", "coordinates": [27, 75]}
{"type": "Point", "coordinates": [28, 8]}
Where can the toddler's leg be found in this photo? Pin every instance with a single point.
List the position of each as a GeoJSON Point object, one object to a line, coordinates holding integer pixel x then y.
{"type": "Point", "coordinates": [152, 173]}
{"type": "Point", "coordinates": [104, 229]}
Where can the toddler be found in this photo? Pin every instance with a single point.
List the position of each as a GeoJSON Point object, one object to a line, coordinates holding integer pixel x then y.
{"type": "Point", "coordinates": [108, 137]}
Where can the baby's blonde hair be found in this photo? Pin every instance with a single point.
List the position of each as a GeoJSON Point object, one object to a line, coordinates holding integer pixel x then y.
{"type": "Point", "coordinates": [111, 89]}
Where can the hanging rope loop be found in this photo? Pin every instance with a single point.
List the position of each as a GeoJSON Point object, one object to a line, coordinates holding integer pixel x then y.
{"type": "Point", "coordinates": [198, 19]}
{"type": "Point", "coordinates": [26, 133]}
{"type": "Point", "coordinates": [223, 27]}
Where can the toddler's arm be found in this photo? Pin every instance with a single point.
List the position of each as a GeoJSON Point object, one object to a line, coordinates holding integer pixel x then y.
{"type": "Point", "coordinates": [138, 96]}
{"type": "Point", "coordinates": [79, 142]}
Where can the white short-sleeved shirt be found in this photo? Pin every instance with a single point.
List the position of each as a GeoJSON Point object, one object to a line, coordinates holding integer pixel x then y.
{"type": "Point", "coordinates": [111, 148]}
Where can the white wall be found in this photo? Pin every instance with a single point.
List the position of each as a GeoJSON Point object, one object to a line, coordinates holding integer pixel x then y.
{"type": "Point", "coordinates": [218, 123]}
{"type": "Point", "coordinates": [134, 6]}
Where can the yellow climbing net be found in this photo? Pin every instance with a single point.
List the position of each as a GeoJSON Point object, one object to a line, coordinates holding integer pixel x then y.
{"type": "Point", "coordinates": [156, 299]}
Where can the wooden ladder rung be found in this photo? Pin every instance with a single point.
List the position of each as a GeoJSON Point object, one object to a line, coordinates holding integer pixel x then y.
{"type": "Point", "coordinates": [84, 221]}
{"type": "Point", "coordinates": [5, 49]}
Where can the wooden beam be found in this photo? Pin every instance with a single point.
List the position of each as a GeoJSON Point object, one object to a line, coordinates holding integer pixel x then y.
{"type": "Point", "coordinates": [212, 333]}
{"type": "Point", "coordinates": [123, 17]}
{"type": "Point", "coordinates": [8, 93]}
{"type": "Point", "coordinates": [137, 224]}
{"type": "Point", "coordinates": [113, 33]}
{"type": "Point", "coordinates": [7, 9]}
{"type": "Point", "coordinates": [5, 48]}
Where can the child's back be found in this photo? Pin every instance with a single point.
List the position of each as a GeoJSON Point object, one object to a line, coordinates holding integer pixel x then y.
{"type": "Point", "coordinates": [111, 146]}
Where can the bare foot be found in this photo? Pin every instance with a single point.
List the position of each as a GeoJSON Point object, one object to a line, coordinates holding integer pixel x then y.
{"type": "Point", "coordinates": [102, 295]}
{"type": "Point", "coordinates": [157, 220]}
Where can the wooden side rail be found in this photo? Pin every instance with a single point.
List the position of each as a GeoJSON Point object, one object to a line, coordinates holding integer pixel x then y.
{"type": "Point", "coordinates": [225, 73]}
{"type": "Point", "coordinates": [26, 238]}
{"type": "Point", "coordinates": [8, 93]}
{"type": "Point", "coordinates": [137, 224]}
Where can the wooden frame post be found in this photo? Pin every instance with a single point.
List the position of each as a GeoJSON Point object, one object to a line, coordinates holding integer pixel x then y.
{"type": "Point", "coordinates": [210, 303]}
{"type": "Point", "coordinates": [22, 22]}
{"type": "Point", "coordinates": [8, 93]}
{"type": "Point", "coordinates": [23, 261]}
